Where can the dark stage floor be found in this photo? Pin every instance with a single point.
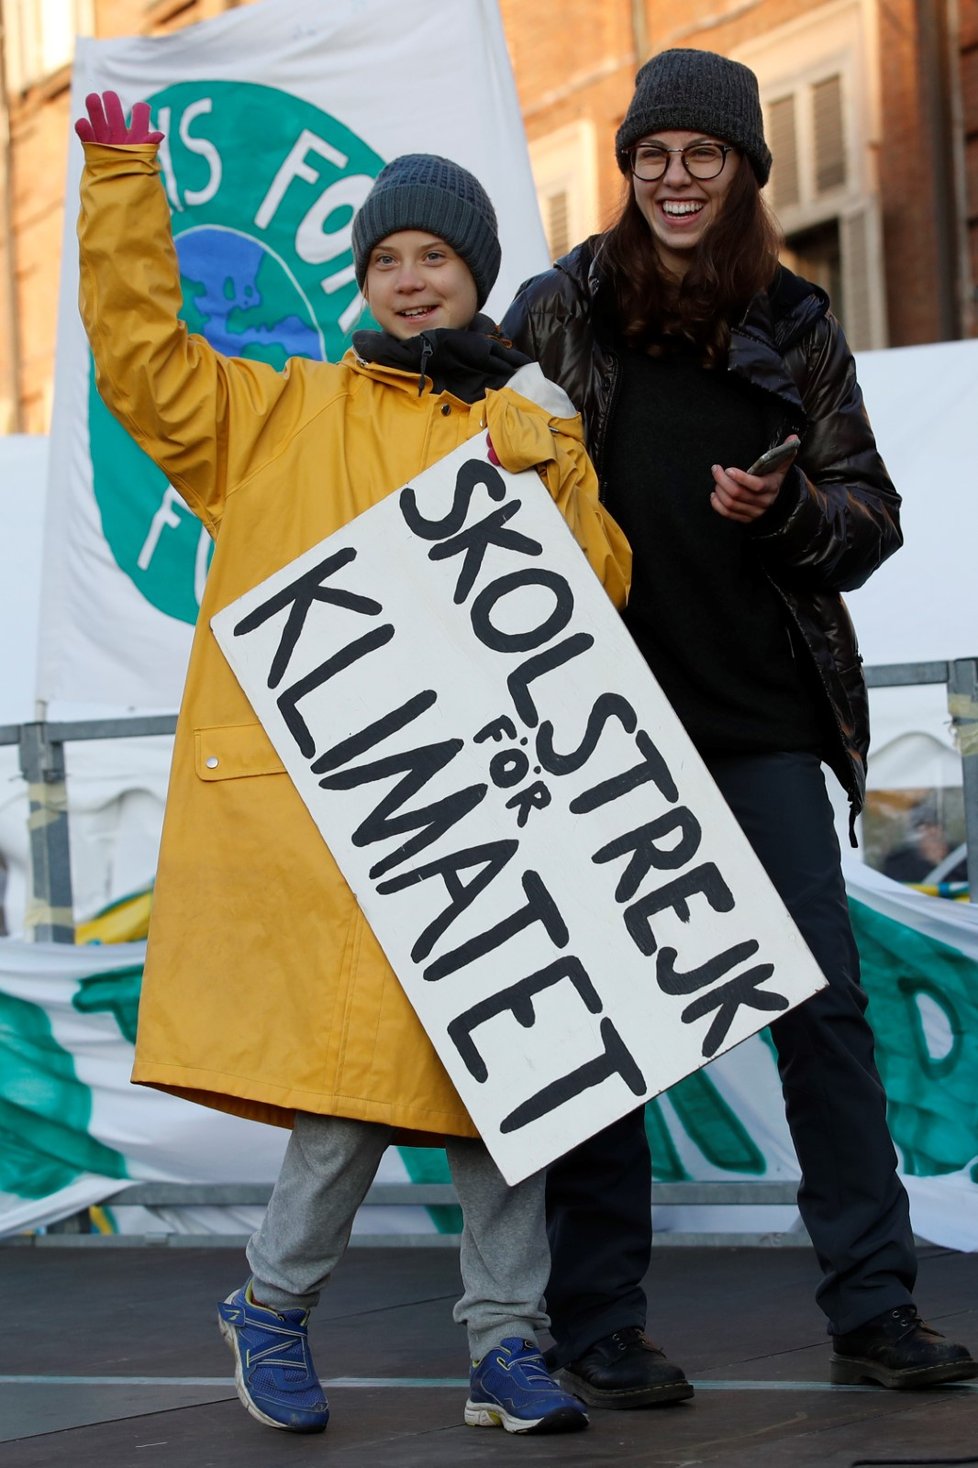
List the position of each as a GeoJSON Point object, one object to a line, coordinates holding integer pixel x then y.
{"type": "Point", "coordinates": [110, 1356]}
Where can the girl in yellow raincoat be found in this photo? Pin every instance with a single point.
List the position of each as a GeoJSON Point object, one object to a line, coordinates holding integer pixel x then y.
{"type": "Point", "coordinates": [265, 992]}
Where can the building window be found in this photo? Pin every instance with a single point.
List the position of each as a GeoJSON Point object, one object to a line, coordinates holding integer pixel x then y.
{"type": "Point", "coordinates": [830, 219]}
{"type": "Point", "coordinates": [564, 167]}
{"type": "Point", "coordinates": [556, 223]}
{"type": "Point", "coordinates": [782, 134]}
{"type": "Point", "coordinates": [39, 38]}
{"type": "Point", "coordinates": [807, 135]}
{"type": "Point", "coordinates": [830, 139]}
{"type": "Point", "coordinates": [820, 116]}
{"type": "Point", "coordinates": [816, 254]}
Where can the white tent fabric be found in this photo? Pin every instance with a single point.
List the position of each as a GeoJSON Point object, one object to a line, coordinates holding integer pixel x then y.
{"type": "Point", "coordinates": [919, 606]}
{"type": "Point", "coordinates": [116, 787]}
{"type": "Point", "coordinates": [23, 477]}
{"type": "Point", "coordinates": [923, 404]}
{"type": "Point", "coordinates": [23, 483]}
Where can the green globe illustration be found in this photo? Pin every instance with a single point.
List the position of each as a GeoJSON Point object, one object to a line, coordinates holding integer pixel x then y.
{"type": "Point", "coordinates": [242, 299]}
{"type": "Point", "coordinates": [262, 187]}
{"type": "Point", "coordinates": [246, 303]}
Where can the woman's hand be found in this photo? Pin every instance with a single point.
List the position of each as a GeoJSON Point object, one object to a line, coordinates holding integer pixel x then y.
{"type": "Point", "coordinates": [106, 121]}
{"type": "Point", "coordinates": [744, 497]}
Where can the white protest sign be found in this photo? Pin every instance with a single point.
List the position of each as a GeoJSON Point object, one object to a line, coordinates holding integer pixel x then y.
{"type": "Point", "coordinates": [565, 897]}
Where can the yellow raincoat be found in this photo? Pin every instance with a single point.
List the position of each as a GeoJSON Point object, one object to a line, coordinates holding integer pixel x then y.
{"type": "Point", "coordinates": [265, 991]}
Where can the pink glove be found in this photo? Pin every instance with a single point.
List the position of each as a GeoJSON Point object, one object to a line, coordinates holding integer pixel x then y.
{"type": "Point", "coordinates": [108, 121]}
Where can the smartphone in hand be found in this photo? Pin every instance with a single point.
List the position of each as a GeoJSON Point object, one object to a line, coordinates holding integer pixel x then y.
{"type": "Point", "coordinates": [782, 453]}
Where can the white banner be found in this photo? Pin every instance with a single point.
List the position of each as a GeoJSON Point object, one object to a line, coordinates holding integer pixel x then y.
{"type": "Point", "coordinates": [277, 116]}
{"type": "Point", "coordinates": [573, 911]}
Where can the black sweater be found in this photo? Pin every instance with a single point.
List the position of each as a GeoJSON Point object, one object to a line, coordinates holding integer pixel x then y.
{"type": "Point", "coordinates": [702, 611]}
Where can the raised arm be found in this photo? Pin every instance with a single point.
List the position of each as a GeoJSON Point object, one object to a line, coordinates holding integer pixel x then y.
{"type": "Point", "coordinates": [207, 420]}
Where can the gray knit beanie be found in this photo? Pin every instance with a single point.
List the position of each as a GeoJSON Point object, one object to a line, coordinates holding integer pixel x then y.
{"type": "Point", "coordinates": [423, 191]}
{"type": "Point", "coordinates": [697, 91]}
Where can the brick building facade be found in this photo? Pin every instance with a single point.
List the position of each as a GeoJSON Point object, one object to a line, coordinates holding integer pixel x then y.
{"type": "Point", "coordinates": [871, 111]}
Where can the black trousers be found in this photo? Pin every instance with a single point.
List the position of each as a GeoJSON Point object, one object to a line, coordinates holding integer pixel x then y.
{"type": "Point", "coordinates": [850, 1198]}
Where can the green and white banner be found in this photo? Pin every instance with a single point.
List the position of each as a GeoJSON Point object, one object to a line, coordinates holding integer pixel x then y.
{"type": "Point", "coordinates": [919, 958]}
{"type": "Point", "coordinates": [73, 1131]}
{"type": "Point", "coordinates": [278, 117]}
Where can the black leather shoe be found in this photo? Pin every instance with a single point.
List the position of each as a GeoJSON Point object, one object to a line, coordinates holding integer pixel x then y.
{"type": "Point", "coordinates": [899, 1350]}
{"type": "Point", "coordinates": [625, 1369]}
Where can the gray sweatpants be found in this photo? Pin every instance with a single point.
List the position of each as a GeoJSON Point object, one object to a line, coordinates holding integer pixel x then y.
{"type": "Point", "coordinates": [330, 1163]}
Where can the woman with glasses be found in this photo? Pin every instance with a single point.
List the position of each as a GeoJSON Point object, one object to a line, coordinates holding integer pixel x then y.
{"type": "Point", "coordinates": [691, 352]}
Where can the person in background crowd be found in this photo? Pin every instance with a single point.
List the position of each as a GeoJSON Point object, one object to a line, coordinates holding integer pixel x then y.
{"type": "Point", "coordinates": [924, 847]}
{"type": "Point", "coordinates": [265, 992]}
{"type": "Point", "coordinates": [690, 352]}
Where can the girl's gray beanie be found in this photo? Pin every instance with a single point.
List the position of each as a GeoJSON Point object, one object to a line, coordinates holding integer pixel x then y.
{"type": "Point", "coordinates": [423, 191]}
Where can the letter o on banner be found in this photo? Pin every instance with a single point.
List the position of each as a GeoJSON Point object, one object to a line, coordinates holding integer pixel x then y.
{"type": "Point", "coordinates": [525, 641]}
{"type": "Point", "coordinates": [507, 768]}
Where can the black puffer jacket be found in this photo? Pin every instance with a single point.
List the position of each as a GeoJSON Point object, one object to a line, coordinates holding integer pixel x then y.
{"type": "Point", "coordinates": [837, 516]}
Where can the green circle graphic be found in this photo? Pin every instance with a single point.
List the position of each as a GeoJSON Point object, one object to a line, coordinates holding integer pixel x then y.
{"type": "Point", "coordinates": [262, 188]}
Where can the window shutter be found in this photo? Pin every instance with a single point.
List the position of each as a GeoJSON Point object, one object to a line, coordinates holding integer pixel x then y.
{"type": "Point", "coordinates": [558, 223]}
{"type": "Point", "coordinates": [783, 142]}
{"type": "Point", "coordinates": [565, 174]}
{"type": "Point", "coordinates": [862, 308]}
{"type": "Point", "coordinates": [830, 150]}
{"type": "Point", "coordinates": [40, 38]}
{"type": "Point", "coordinates": [55, 35]}
{"type": "Point", "coordinates": [14, 46]}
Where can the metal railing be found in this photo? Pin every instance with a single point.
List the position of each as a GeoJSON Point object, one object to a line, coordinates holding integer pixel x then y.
{"type": "Point", "coordinates": [51, 917]}
{"type": "Point", "coordinates": [80, 1230]}
{"type": "Point", "coordinates": [42, 763]}
{"type": "Point", "coordinates": [960, 678]}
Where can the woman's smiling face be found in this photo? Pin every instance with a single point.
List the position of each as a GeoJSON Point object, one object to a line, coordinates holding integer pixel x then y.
{"type": "Point", "coordinates": [677, 207]}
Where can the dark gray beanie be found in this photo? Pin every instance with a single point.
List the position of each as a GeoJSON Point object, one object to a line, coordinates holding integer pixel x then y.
{"type": "Point", "coordinates": [697, 91]}
{"type": "Point", "coordinates": [423, 191]}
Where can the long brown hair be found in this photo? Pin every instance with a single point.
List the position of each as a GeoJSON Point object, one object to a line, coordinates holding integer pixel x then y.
{"type": "Point", "coordinates": [735, 259]}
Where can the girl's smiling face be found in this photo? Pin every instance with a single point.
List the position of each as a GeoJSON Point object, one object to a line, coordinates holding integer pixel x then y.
{"type": "Point", "coordinates": [416, 281]}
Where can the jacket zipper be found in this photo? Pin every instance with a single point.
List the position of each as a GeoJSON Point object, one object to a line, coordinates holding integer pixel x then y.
{"type": "Point", "coordinates": [426, 351]}
{"type": "Point", "coordinates": [598, 456]}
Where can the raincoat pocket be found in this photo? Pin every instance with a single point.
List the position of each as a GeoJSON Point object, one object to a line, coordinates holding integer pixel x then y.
{"type": "Point", "coordinates": [233, 751]}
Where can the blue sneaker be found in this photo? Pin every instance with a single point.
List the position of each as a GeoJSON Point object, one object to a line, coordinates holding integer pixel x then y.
{"type": "Point", "coordinates": [273, 1368]}
{"type": "Point", "coordinates": [512, 1388]}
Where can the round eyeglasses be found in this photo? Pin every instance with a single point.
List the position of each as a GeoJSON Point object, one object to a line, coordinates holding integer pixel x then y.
{"type": "Point", "coordinates": [649, 161]}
